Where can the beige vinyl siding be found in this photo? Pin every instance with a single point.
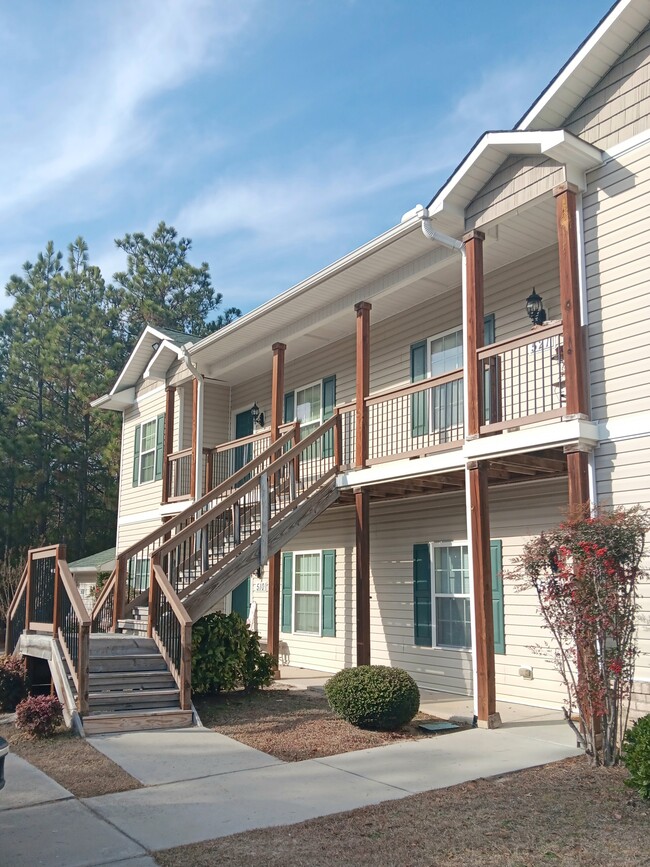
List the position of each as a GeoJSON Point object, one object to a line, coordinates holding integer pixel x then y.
{"type": "Point", "coordinates": [129, 534]}
{"type": "Point", "coordinates": [216, 414]}
{"type": "Point", "coordinates": [623, 479]}
{"type": "Point", "coordinates": [619, 106]}
{"type": "Point", "coordinates": [147, 496]}
{"type": "Point", "coordinates": [517, 182]}
{"type": "Point", "coordinates": [617, 256]}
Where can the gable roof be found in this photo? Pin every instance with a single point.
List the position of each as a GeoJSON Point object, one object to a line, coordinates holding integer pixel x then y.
{"type": "Point", "coordinates": [94, 561]}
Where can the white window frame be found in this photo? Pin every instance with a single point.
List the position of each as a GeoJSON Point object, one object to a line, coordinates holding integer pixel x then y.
{"type": "Point", "coordinates": [318, 593]}
{"type": "Point", "coordinates": [319, 384]}
{"type": "Point", "coordinates": [455, 543]}
{"type": "Point", "coordinates": [432, 428]}
{"type": "Point", "coordinates": [142, 453]}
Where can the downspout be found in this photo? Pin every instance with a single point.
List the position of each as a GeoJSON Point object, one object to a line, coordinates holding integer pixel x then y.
{"type": "Point", "coordinates": [454, 244]}
{"type": "Point", "coordinates": [198, 475]}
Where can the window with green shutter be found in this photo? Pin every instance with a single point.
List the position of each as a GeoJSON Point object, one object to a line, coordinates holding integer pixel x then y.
{"type": "Point", "coordinates": [148, 451]}
{"type": "Point", "coordinates": [422, 631]}
{"type": "Point", "coordinates": [497, 596]}
{"type": "Point", "coordinates": [308, 603]}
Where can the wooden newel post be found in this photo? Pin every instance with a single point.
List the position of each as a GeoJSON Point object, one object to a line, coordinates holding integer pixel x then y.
{"type": "Point", "coordinates": [482, 587]}
{"type": "Point", "coordinates": [120, 591]}
{"type": "Point", "coordinates": [474, 330]}
{"type": "Point", "coordinates": [275, 563]}
{"type": "Point", "coordinates": [362, 309]}
{"type": "Point", "coordinates": [168, 440]}
{"type": "Point", "coordinates": [60, 555]}
{"type": "Point", "coordinates": [195, 430]}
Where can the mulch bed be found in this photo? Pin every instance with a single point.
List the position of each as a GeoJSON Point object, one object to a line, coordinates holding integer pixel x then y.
{"type": "Point", "coordinates": [293, 725]}
{"type": "Point", "coordinates": [71, 761]}
{"type": "Point", "coordinates": [565, 814]}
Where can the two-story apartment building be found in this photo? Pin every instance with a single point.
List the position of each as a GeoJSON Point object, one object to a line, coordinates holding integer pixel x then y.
{"type": "Point", "coordinates": [400, 423]}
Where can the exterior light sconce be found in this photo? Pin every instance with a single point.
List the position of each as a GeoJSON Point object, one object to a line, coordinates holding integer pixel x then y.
{"type": "Point", "coordinates": [258, 417]}
{"type": "Point", "coordinates": [535, 309]}
{"type": "Point", "coordinates": [155, 346]}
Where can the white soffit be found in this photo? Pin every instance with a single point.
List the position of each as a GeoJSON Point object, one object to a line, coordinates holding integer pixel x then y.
{"type": "Point", "coordinates": [119, 401]}
{"type": "Point", "coordinates": [610, 38]}
{"type": "Point", "coordinates": [165, 356]}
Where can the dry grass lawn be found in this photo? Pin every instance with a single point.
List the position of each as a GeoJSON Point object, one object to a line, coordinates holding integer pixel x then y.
{"type": "Point", "coordinates": [292, 725]}
{"type": "Point", "coordinates": [71, 761]}
{"type": "Point", "coordinates": [565, 814]}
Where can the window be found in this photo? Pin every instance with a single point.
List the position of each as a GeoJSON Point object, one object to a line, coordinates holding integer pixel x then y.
{"type": "Point", "coordinates": [445, 356]}
{"type": "Point", "coordinates": [441, 595]}
{"type": "Point", "coordinates": [311, 406]}
{"type": "Point", "coordinates": [453, 621]}
{"type": "Point", "coordinates": [308, 408]}
{"type": "Point", "coordinates": [148, 451]}
{"type": "Point", "coordinates": [308, 592]}
{"type": "Point", "coordinates": [138, 575]}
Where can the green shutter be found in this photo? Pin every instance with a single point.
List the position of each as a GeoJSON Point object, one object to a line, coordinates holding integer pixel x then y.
{"type": "Point", "coordinates": [160, 446]}
{"type": "Point", "coordinates": [289, 407]}
{"type": "Point", "coordinates": [329, 593]}
{"type": "Point", "coordinates": [419, 408]}
{"type": "Point", "coordinates": [287, 587]}
{"type": "Point", "coordinates": [497, 596]}
{"type": "Point", "coordinates": [422, 595]}
{"type": "Point", "coordinates": [489, 336]}
{"type": "Point", "coordinates": [136, 456]}
{"type": "Point", "coordinates": [329, 402]}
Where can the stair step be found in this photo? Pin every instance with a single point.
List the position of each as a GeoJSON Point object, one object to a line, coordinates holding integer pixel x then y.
{"type": "Point", "coordinates": [132, 721]}
{"type": "Point", "coordinates": [123, 681]}
{"type": "Point", "coordinates": [116, 644]}
{"type": "Point", "coordinates": [127, 662]}
{"type": "Point", "coordinates": [133, 627]}
{"type": "Point", "coordinates": [114, 701]}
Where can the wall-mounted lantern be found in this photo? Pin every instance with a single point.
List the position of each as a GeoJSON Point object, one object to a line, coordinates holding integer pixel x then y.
{"type": "Point", "coordinates": [535, 308]}
{"type": "Point", "coordinates": [258, 417]}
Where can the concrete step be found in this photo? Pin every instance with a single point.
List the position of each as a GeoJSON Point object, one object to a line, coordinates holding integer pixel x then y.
{"type": "Point", "coordinates": [133, 721]}
{"type": "Point", "coordinates": [127, 662]}
{"type": "Point", "coordinates": [113, 702]}
{"type": "Point", "coordinates": [133, 627]}
{"type": "Point", "coordinates": [124, 681]}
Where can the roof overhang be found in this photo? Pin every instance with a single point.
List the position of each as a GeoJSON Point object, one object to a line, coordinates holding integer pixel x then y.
{"type": "Point", "coordinates": [493, 148]}
{"type": "Point", "coordinates": [166, 355]}
{"type": "Point", "coordinates": [118, 401]}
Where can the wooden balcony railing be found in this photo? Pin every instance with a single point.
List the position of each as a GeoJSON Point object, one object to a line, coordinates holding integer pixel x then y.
{"type": "Point", "coordinates": [416, 420]}
{"type": "Point", "coordinates": [179, 467]}
{"type": "Point", "coordinates": [225, 459]}
{"type": "Point", "coordinates": [523, 379]}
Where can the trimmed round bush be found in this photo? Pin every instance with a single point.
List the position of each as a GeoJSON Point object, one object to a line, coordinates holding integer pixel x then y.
{"type": "Point", "coordinates": [39, 715]}
{"type": "Point", "coordinates": [636, 756]}
{"type": "Point", "coordinates": [374, 696]}
{"type": "Point", "coordinates": [13, 682]}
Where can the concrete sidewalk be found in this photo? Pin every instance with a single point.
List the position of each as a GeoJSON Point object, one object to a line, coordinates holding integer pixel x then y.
{"type": "Point", "coordinates": [202, 785]}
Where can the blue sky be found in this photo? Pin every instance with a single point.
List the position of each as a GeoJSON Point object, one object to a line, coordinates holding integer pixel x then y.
{"type": "Point", "coordinates": [277, 134]}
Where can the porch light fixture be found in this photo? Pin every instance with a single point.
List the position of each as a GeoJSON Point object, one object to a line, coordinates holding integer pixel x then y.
{"type": "Point", "coordinates": [258, 417]}
{"type": "Point", "coordinates": [155, 346]}
{"type": "Point", "coordinates": [535, 309]}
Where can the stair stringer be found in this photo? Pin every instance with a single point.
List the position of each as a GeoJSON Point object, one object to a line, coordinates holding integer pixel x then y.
{"type": "Point", "coordinates": [206, 596]}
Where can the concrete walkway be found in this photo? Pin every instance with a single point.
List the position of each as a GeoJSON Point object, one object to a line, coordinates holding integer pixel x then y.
{"type": "Point", "coordinates": [201, 785]}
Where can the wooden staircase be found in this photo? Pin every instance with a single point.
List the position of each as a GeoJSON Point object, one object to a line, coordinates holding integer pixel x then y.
{"type": "Point", "coordinates": [130, 687]}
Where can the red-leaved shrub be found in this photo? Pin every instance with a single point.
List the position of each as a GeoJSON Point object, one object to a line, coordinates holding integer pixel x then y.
{"type": "Point", "coordinates": [39, 715]}
{"type": "Point", "coordinates": [13, 684]}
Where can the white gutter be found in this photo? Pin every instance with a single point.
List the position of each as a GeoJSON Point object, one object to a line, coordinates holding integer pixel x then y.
{"type": "Point", "coordinates": [198, 475]}
{"type": "Point", "coordinates": [454, 244]}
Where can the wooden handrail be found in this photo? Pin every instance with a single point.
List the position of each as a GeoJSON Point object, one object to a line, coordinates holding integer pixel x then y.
{"type": "Point", "coordinates": [43, 553]}
{"type": "Point", "coordinates": [183, 453]}
{"type": "Point", "coordinates": [20, 589]}
{"type": "Point", "coordinates": [80, 610]}
{"type": "Point", "coordinates": [104, 593]}
{"type": "Point", "coordinates": [244, 441]}
{"type": "Point", "coordinates": [539, 332]}
{"type": "Point", "coordinates": [172, 597]}
{"type": "Point", "coordinates": [415, 387]}
{"type": "Point", "coordinates": [206, 498]}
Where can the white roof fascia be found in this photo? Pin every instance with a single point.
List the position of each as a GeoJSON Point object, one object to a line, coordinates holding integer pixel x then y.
{"type": "Point", "coordinates": [381, 241]}
{"type": "Point", "coordinates": [564, 147]}
{"type": "Point", "coordinates": [158, 367]}
{"type": "Point", "coordinates": [147, 333]}
{"type": "Point", "coordinates": [119, 401]}
{"type": "Point", "coordinates": [590, 45]}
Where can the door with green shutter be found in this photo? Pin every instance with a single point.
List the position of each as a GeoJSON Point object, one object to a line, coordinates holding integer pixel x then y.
{"type": "Point", "coordinates": [240, 599]}
{"type": "Point", "coordinates": [498, 618]}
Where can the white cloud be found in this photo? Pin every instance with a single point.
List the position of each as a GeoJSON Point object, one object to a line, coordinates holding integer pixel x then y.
{"type": "Point", "coordinates": [93, 114]}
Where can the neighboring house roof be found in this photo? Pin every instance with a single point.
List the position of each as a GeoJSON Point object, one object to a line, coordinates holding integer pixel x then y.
{"type": "Point", "coordinates": [102, 561]}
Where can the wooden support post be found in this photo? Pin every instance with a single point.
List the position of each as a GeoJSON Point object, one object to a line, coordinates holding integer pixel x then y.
{"type": "Point", "coordinates": [195, 430]}
{"type": "Point", "coordinates": [186, 667]}
{"type": "Point", "coordinates": [362, 515]}
{"type": "Point", "coordinates": [60, 555]}
{"type": "Point", "coordinates": [168, 445]}
{"type": "Point", "coordinates": [120, 591]}
{"type": "Point", "coordinates": [482, 586]}
{"type": "Point", "coordinates": [29, 590]}
{"type": "Point", "coordinates": [275, 563]}
{"type": "Point", "coordinates": [578, 473]}
{"type": "Point", "coordinates": [362, 309]}
{"type": "Point", "coordinates": [83, 660]}
{"type": "Point", "coordinates": [575, 366]}
{"type": "Point", "coordinates": [474, 330]}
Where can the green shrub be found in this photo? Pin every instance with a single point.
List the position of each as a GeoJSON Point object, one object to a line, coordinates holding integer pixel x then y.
{"type": "Point", "coordinates": [226, 655]}
{"type": "Point", "coordinates": [39, 715]}
{"type": "Point", "coordinates": [13, 682]}
{"type": "Point", "coordinates": [374, 696]}
{"type": "Point", "coordinates": [636, 756]}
